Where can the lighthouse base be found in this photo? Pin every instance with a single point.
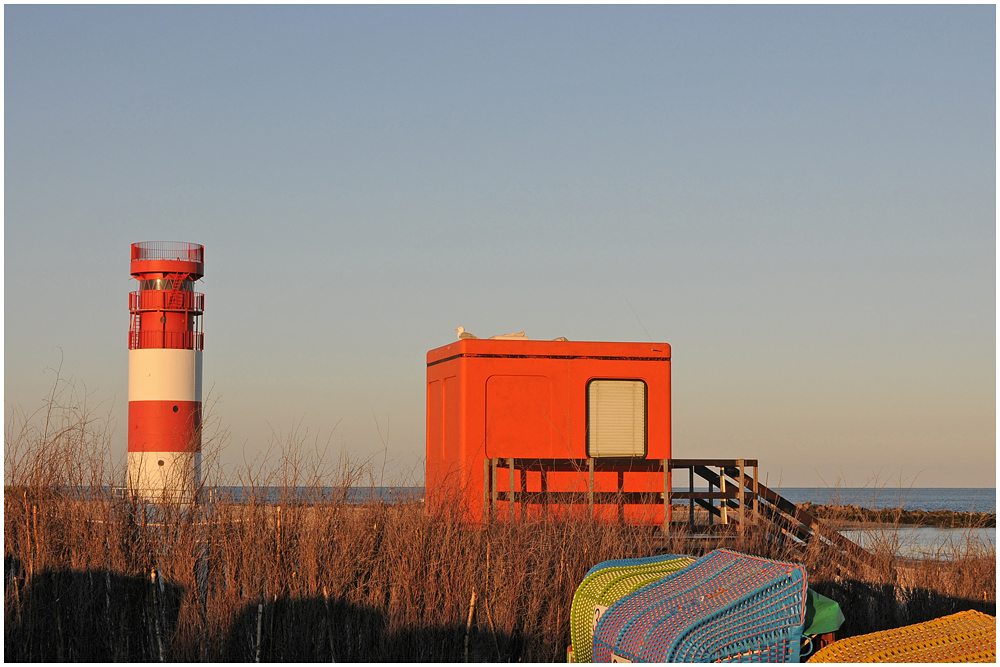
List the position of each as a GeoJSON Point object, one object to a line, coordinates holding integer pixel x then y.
{"type": "Point", "coordinates": [164, 477]}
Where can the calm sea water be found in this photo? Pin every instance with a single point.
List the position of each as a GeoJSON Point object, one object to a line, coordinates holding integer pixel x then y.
{"type": "Point", "coordinates": [911, 541]}
{"type": "Point", "coordinates": [925, 541]}
{"type": "Point", "coordinates": [274, 494]}
{"type": "Point", "coordinates": [955, 500]}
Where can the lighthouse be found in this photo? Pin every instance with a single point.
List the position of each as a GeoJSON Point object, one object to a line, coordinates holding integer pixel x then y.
{"type": "Point", "coordinates": [165, 346]}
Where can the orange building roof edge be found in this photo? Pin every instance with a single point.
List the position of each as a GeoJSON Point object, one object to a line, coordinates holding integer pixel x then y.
{"type": "Point", "coordinates": [472, 347]}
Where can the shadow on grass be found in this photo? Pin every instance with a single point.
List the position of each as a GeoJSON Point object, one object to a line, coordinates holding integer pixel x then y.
{"type": "Point", "coordinates": [870, 607]}
{"type": "Point", "coordinates": [319, 630]}
{"type": "Point", "coordinates": [86, 616]}
{"type": "Point", "coordinates": [97, 616]}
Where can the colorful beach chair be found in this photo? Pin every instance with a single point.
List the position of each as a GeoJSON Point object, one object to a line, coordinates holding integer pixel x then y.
{"type": "Point", "coordinates": [968, 636]}
{"type": "Point", "coordinates": [725, 607]}
{"type": "Point", "coordinates": [605, 584]}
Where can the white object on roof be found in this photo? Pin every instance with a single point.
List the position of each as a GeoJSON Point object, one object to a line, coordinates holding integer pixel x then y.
{"type": "Point", "coordinates": [511, 336]}
{"type": "Point", "coordinates": [463, 335]}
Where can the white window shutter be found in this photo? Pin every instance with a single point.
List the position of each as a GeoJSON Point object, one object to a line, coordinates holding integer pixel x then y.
{"type": "Point", "coordinates": [616, 418]}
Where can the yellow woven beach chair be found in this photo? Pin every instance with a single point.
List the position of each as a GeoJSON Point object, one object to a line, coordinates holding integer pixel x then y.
{"type": "Point", "coordinates": [968, 636]}
{"type": "Point", "coordinates": [607, 583]}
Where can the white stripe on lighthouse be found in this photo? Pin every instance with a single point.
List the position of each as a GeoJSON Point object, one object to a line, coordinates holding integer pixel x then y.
{"type": "Point", "coordinates": [164, 375]}
{"type": "Point", "coordinates": [164, 475]}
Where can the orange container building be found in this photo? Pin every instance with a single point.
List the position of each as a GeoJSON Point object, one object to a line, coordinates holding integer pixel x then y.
{"type": "Point", "coordinates": [526, 399]}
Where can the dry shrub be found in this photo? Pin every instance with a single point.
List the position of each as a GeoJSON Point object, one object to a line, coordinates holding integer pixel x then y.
{"type": "Point", "coordinates": [287, 567]}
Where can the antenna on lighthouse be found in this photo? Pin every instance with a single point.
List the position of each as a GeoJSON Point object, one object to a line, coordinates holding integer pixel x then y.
{"type": "Point", "coordinates": [165, 345]}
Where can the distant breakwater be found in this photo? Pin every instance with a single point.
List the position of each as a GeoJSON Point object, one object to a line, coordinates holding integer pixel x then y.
{"type": "Point", "coordinates": [935, 518]}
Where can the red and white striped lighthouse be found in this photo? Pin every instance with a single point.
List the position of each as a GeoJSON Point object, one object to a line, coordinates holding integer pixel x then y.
{"type": "Point", "coordinates": [165, 346]}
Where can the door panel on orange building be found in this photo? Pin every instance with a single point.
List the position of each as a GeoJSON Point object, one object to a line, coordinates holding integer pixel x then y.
{"type": "Point", "coordinates": [452, 419]}
{"type": "Point", "coordinates": [519, 417]}
{"type": "Point", "coordinates": [435, 415]}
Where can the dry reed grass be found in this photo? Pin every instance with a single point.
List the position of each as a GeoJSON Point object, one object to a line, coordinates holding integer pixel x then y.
{"type": "Point", "coordinates": [98, 576]}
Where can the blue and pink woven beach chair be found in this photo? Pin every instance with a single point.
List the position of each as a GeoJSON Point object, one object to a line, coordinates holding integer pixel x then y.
{"type": "Point", "coordinates": [724, 607]}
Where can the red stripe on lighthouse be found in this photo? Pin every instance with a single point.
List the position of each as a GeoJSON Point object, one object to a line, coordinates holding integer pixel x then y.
{"type": "Point", "coordinates": [164, 426]}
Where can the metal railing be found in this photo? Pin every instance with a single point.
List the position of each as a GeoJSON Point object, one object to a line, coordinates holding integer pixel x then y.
{"type": "Point", "coordinates": [168, 250]}
{"type": "Point", "coordinates": [171, 340]}
{"type": "Point", "coordinates": [166, 300]}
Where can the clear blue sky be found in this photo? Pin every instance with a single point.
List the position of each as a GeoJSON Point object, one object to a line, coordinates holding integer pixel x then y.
{"type": "Point", "coordinates": [801, 200]}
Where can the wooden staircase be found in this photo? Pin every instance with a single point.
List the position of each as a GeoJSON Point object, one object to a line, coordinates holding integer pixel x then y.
{"type": "Point", "coordinates": [761, 506]}
{"type": "Point", "coordinates": [735, 502]}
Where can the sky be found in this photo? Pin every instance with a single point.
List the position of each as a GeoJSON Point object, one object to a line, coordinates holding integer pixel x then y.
{"type": "Point", "coordinates": [800, 200]}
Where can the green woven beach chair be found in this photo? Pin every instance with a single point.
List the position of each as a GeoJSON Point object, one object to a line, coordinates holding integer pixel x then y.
{"type": "Point", "coordinates": [604, 585]}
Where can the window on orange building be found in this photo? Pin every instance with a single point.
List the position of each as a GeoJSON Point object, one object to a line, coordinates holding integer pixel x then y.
{"type": "Point", "coordinates": [616, 418]}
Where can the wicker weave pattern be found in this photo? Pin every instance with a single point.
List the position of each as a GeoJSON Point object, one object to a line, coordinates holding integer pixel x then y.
{"type": "Point", "coordinates": [605, 584]}
{"type": "Point", "coordinates": [725, 607]}
{"type": "Point", "coordinates": [635, 562]}
{"type": "Point", "coordinates": [968, 636]}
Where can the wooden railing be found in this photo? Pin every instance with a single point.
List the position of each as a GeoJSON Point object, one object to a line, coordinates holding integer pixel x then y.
{"type": "Point", "coordinates": [735, 496]}
{"type": "Point", "coordinates": [492, 494]}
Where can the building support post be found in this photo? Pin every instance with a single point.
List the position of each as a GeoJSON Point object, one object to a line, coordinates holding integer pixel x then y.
{"type": "Point", "coordinates": [723, 502]}
{"type": "Point", "coordinates": [493, 486]}
{"type": "Point", "coordinates": [666, 498]}
{"type": "Point", "coordinates": [524, 492]}
{"type": "Point", "coordinates": [741, 487]}
{"type": "Point", "coordinates": [590, 486]}
{"type": "Point", "coordinates": [510, 489]}
{"type": "Point", "coordinates": [486, 490]}
{"type": "Point", "coordinates": [621, 498]}
{"type": "Point", "coordinates": [544, 488]}
{"type": "Point", "coordinates": [711, 504]}
{"type": "Point", "coordinates": [691, 501]}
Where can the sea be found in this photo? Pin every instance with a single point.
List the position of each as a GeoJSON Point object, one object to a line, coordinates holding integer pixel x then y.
{"type": "Point", "coordinates": [950, 499]}
{"type": "Point", "coordinates": [928, 500]}
{"type": "Point", "coordinates": [910, 541]}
